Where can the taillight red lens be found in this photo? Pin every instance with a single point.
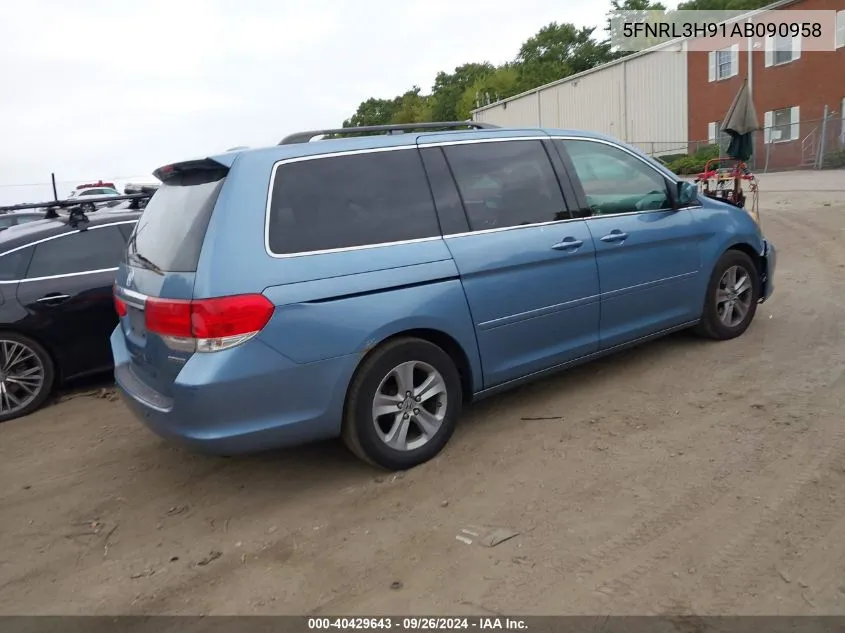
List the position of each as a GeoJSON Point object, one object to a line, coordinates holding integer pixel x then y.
{"type": "Point", "coordinates": [208, 318]}
{"type": "Point", "coordinates": [230, 316]}
{"type": "Point", "coordinates": [169, 317]}
{"type": "Point", "coordinates": [119, 306]}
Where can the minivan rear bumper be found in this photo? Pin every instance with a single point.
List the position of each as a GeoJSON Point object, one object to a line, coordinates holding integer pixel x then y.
{"type": "Point", "coordinates": [243, 400]}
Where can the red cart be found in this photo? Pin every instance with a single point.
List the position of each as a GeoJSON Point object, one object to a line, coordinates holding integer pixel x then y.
{"type": "Point", "coordinates": [730, 180]}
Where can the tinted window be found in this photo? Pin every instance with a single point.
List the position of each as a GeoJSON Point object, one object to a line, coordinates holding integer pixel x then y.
{"type": "Point", "coordinates": [615, 181]}
{"type": "Point", "coordinates": [13, 265]}
{"type": "Point", "coordinates": [172, 229]}
{"type": "Point", "coordinates": [354, 200]}
{"type": "Point", "coordinates": [126, 230]}
{"type": "Point", "coordinates": [507, 183]}
{"type": "Point", "coordinates": [94, 249]}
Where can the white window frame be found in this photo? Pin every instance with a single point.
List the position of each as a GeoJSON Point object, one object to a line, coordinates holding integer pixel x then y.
{"type": "Point", "coordinates": [714, 66]}
{"type": "Point", "coordinates": [840, 29]}
{"type": "Point", "coordinates": [770, 51]}
{"type": "Point", "coordinates": [712, 132]}
{"type": "Point", "coordinates": [794, 125]}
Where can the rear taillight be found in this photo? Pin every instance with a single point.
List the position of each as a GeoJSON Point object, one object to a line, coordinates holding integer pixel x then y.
{"type": "Point", "coordinates": [207, 325]}
{"type": "Point", "coordinates": [119, 306]}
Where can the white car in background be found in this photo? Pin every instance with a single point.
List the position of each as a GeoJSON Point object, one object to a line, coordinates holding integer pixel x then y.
{"type": "Point", "coordinates": [93, 191]}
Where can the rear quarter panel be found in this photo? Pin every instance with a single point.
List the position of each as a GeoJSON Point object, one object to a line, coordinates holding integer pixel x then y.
{"type": "Point", "coordinates": [333, 304]}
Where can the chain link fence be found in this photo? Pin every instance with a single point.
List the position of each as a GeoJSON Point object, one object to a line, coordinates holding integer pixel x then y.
{"type": "Point", "coordinates": [789, 145]}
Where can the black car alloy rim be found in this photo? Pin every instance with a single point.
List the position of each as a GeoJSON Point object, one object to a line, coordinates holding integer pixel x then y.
{"type": "Point", "coordinates": [21, 376]}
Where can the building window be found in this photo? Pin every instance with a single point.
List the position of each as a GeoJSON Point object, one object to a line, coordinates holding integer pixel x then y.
{"type": "Point", "coordinates": [840, 29]}
{"type": "Point", "coordinates": [724, 63]}
{"type": "Point", "coordinates": [716, 136]}
{"type": "Point", "coordinates": [782, 50]}
{"type": "Point", "coordinates": [782, 125]}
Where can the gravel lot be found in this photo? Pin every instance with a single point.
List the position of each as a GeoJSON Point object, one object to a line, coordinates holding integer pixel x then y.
{"type": "Point", "coordinates": [683, 476]}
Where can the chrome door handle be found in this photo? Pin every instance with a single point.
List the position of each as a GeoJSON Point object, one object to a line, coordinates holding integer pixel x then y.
{"type": "Point", "coordinates": [615, 236]}
{"type": "Point", "coordinates": [49, 298]}
{"type": "Point", "coordinates": [568, 243]}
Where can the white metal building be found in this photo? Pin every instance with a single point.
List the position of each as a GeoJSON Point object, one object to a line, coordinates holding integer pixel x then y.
{"type": "Point", "coordinates": [640, 99]}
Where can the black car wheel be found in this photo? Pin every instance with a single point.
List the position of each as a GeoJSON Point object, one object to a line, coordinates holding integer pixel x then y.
{"type": "Point", "coordinates": [26, 376]}
{"type": "Point", "coordinates": [403, 404]}
{"type": "Point", "coordinates": [732, 296]}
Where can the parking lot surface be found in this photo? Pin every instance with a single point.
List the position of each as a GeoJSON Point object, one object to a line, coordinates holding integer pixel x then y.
{"type": "Point", "coordinates": [681, 476]}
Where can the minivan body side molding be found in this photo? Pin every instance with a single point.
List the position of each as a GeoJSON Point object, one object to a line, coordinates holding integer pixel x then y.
{"type": "Point", "coordinates": [505, 386]}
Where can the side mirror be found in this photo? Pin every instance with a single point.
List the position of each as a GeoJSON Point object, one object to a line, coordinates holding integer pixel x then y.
{"type": "Point", "coordinates": [687, 193]}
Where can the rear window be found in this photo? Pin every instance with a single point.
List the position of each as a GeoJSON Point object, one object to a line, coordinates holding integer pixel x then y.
{"type": "Point", "coordinates": [172, 228]}
{"type": "Point", "coordinates": [348, 201]}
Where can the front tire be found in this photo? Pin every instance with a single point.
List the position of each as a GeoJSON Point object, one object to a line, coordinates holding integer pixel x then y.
{"type": "Point", "coordinates": [26, 376]}
{"type": "Point", "coordinates": [732, 297]}
{"type": "Point", "coordinates": [403, 404]}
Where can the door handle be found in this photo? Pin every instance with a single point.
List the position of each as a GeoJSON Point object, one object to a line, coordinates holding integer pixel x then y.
{"type": "Point", "coordinates": [568, 243]}
{"type": "Point", "coordinates": [53, 298]}
{"type": "Point", "coordinates": [615, 236]}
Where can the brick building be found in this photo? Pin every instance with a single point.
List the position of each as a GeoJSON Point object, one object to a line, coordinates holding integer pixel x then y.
{"type": "Point", "coordinates": [790, 89]}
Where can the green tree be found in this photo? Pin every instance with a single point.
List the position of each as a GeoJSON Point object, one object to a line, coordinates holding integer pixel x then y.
{"type": "Point", "coordinates": [635, 11]}
{"type": "Point", "coordinates": [374, 112]}
{"type": "Point", "coordinates": [557, 51]}
{"type": "Point", "coordinates": [449, 88]}
{"type": "Point", "coordinates": [722, 5]}
{"type": "Point", "coordinates": [412, 107]}
{"type": "Point", "coordinates": [501, 84]}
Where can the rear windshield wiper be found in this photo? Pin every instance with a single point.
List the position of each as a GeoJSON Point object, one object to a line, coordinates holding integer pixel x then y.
{"type": "Point", "coordinates": [145, 263]}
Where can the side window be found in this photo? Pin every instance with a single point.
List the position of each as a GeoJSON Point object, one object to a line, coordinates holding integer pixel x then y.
{"type": "Point", "coordinates": [506, 183]}
{"type": "Point", "coordinates": [94, 249]}
{"type": "Point", "coordinates": [13, 266]}
{"type": "Point", "coordinates": [348, 201]}
{"type": "Point", "coordinates": [614, 181]}
{"type": "Point", "coordinates": [126, 230]}
{"type": "Point", "coordinates": [6, 222]}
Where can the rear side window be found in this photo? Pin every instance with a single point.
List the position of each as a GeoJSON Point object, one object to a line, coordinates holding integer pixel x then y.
{"type": "Point", "coordinates": [506, 183]}
{"type": "Point", "coordinates": [348, 201]}
{"type": "Point", "coordinates": [86, 251]}
{"type": "Point", "coordinates": [13, 266]}
{"type": "Point", "coordinates": [172, 228]}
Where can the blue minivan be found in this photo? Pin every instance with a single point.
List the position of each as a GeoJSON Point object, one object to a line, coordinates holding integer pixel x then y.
{"type": "Point", "coordinates": [368, 287]}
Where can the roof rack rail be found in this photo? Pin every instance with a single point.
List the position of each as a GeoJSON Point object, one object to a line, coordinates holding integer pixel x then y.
{"type": "Point", "coordinates": [77, 217]}
{"type": "Point", "coordinates": [305, 137]}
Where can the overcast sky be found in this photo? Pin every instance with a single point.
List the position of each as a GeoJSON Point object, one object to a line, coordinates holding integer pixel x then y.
{"type": "Point", "coordinates": [115, 88]}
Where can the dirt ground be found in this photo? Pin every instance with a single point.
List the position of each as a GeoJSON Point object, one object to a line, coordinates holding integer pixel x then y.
{"type": "Point", "coordinates": [683, 476]}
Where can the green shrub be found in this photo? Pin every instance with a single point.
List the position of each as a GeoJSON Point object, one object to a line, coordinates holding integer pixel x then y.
{"type": "Point", "coordinates": [686, 164]}
{"type": "Point", "coordinates": [834, 160]}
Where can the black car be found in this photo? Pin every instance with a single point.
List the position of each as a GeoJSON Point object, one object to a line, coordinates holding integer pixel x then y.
{"type": "Point", "coordinates": [56, 306]}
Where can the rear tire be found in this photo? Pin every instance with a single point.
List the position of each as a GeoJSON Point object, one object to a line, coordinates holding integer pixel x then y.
{"type": "Point", "coordinates": [403, 404]}
{"type": "Point", "coordinates": [732, 297]}
{"type": "Point", "coordinates": [26, 376]}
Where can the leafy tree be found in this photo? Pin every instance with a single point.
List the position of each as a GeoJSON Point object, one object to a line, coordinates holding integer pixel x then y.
{"type": "Point", "coordinates": [636, 11]}
{"type": "Point", "coordinates": [412, 108]}
{"type": "Point", "coordinates": [373, 112]}
{"type": "Point", "coordinates": [557, 51]}
{"type": "Point", "coordinates": [449, 88]}
{"type": "Point", "coordinates": [501, 84]}
{"type": "Point", "coordinates": [722, 5]}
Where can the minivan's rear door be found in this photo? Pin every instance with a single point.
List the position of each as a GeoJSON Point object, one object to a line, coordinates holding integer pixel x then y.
{"type": "Point", "coordinates": [160, 265]}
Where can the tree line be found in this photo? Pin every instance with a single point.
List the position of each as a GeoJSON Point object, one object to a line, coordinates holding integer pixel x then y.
{"type": "Point", "coordinates": [556, 51]}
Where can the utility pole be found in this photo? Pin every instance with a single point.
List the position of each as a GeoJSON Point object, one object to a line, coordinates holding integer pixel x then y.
{"type": "Point", "coordinates": [55, 193]}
